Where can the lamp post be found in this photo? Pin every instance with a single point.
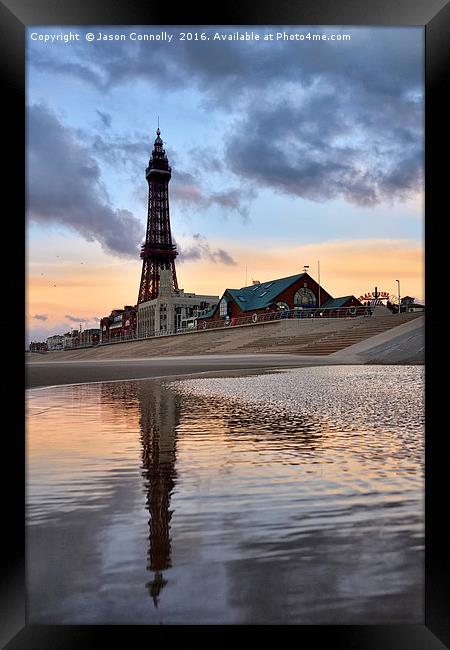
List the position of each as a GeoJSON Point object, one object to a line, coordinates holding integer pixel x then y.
{"type": "Point", "coordinates": [399, 307]}
{"type": "Point", "coordinates": [318, 273]}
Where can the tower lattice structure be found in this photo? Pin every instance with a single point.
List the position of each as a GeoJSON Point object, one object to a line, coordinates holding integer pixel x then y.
{"type": "Point", "coordinates": [158, 252]}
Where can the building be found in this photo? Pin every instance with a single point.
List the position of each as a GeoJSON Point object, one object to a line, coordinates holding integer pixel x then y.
{"type": "Point", "coordinates": [162, 307]}
{"type": "Point", "coordinates": [120, 325]}
{"type": "Point", "coordinates": [344, 301]}
{"type": "Point", "coordinates": [409, 304]}
{"type": "Point", "coordinates": [55, 342]}
{"type": "Point", "coordinates": [296, 294]}
{"type": "Point", "coordinates": [172, 311]}
{"type": "Point", "coordinates": [90, 336]}
{"type": "Point", "coordinates": [158, 252]}
{"type": "Point", "coordinates": [71, 339]}
{"type": "Point", "coordinates": [38, 346]}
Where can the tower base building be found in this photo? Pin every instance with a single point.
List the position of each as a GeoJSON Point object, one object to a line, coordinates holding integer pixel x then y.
{"type": "Point", "coordinates": [173, 310]}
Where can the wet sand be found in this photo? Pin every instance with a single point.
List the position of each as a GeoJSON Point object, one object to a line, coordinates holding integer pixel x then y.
{"type": "Point", "coordinates": [282, 498]}
{"type": "Point", "coordinates": [55, 373]}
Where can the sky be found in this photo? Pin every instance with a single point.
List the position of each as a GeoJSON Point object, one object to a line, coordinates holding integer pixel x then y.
{"type": "Point", "coordinates": [284, 153]}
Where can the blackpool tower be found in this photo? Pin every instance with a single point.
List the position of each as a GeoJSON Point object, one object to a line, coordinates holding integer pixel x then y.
{"type": "Point", "coordinates": [157, 252]}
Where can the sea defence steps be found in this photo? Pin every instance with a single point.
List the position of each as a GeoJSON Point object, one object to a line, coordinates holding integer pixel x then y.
{"type": "Point", "coordinates": [307, 337]}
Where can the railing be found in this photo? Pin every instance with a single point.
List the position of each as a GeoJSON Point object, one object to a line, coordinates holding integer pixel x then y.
{"type": "Point", "coordinates": [251, 319]}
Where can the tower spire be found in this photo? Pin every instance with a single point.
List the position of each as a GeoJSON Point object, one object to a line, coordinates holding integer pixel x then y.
{"type": "Point", "coordinates": [158, 251]}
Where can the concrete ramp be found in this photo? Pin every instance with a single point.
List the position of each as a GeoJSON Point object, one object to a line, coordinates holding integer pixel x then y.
{"type": "Point", "coordinates": [404, 344]}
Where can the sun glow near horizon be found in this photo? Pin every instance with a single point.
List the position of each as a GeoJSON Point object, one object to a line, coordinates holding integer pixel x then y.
{"type": "Point", "coordinates": [346, 189]}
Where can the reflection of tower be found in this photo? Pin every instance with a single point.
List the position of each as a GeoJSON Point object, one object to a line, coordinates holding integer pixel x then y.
{"type": "Point", "coordinates": [158, 251]}
{"type": "Point", "coordinates": [159, 419]}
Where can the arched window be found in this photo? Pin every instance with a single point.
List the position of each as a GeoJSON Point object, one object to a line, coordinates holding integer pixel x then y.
{"type": "Point", "coordinates": [223, 308]}
{"type": "Point", "coordinates": [305, 298]}
{"type": "Point", "coordinates": [282, 306]}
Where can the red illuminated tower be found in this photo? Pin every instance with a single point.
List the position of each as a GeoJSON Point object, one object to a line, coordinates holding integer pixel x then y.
{"type": "Point", "coordinates": [158, 251]}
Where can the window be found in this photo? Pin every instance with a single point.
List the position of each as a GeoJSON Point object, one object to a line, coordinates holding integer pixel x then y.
{"type": "Point", "coordinates": [268, 285]}
{"type": "Point", "coordinates": [242, 299]}
{"type": "Point", "coordinates": [223, 308]}
{"type": "Point", "coordinates": [305, 298]}
{"type": "Point", "coordinates": [262, 294]}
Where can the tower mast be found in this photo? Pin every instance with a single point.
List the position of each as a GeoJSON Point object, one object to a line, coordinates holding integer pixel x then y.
{"type": "Point", "coordinates": [158, 251]}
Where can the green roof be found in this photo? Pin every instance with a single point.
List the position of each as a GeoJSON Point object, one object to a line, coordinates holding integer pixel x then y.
{"type": "Point", "coordinates": [208, 314]}
{"type": "Point", "coordinates": [259, 296]}
{"type": "Point", "coordinates": [335, 303]}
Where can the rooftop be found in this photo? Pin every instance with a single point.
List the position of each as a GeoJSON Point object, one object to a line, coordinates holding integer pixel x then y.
{"type": "Point", "coordinates": [335, 303]}
{"type": "Point", "coordinates": [259, 296]}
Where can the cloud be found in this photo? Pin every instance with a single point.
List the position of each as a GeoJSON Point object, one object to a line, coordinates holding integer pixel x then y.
{"type": "Point", "coordinates": [202, 250]}
{"type": "Point", "coordinates": [105, 67]}
{"type": "Point", "coordinates": [207, 159]}
{"type": "Point", "coordinates": [41, 316]}
{"type": "Point", "coordinates": [131, 152]}
{"type": "Point", "coordinates": [187, 191]}
{"type": "Point", "coordinates": [316, 120]}
{"type": "Point", "coordinates": [387, 60]}
{"type": "Point", "coordinates": [125, 151]}
{"type": "Point", "coordinates": [80, 319]}
{"type": "Point", "coordinates": [105, 118]}
{"type": "Point", "coordinates": [65, 187]}
{"type": "Point", "coordinates": [329, 145]}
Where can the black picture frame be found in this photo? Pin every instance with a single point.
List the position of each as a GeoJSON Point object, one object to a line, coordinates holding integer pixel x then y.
{"type": "Point", "coordinates": [433, 15]}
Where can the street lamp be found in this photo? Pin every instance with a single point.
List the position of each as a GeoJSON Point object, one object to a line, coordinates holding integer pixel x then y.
{"type": "Point", "coordinates": [399, 308]}
{"type": "Point", "coordinates": [318, 273]}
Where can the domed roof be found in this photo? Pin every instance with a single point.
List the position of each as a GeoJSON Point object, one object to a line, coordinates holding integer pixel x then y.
{"type": "Point", "coordinates": [158, 139]}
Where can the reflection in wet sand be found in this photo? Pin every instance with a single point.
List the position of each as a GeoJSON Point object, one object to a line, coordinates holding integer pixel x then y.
{"type": "Point", "coordinates": [258, 491]}
{"type": "Point", "coordinates": [159, 419]}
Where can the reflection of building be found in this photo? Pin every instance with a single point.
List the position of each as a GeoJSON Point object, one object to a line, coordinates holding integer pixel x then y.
{"type": "Point", "coordinates": [296, 292]}
{"type": "Point", "coordinates": [119, 325]}
{"type": "Point", "coordinates": [159, 419]}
